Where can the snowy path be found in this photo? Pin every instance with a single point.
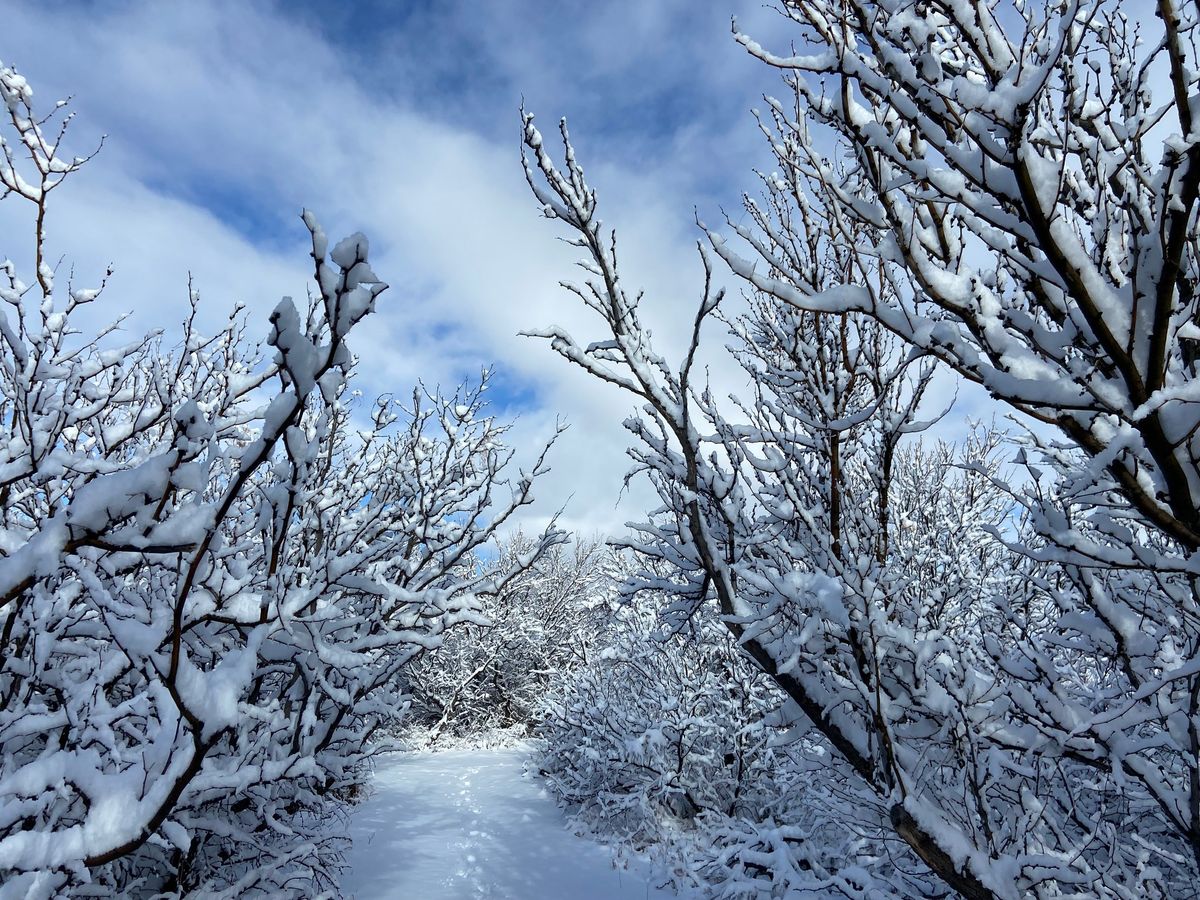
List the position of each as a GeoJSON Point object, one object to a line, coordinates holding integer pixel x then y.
{"type": "Point", "coordinates": [467, 824]}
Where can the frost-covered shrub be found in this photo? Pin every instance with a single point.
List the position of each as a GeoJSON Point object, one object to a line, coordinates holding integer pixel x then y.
{"type": "Point", "coordinates": [492, 676]}
{"type": "Point", "coordinates": [211, 578]}
{"type": "Point", "coordinates": [674, 745]}
{"type": "Point", "coordinates": [653, 730]}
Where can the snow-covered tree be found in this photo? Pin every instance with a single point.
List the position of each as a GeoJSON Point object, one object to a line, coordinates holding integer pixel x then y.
{"type": "Point", "coordinates": [213, 572]}
{"type": "Point", "coordinates": [1023, 719]}
{"type": "Point", "coordinates": [1021, 194]}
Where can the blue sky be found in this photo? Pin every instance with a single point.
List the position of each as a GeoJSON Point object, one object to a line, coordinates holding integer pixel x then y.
{"type": "Point", "coordinates": [401, 120]}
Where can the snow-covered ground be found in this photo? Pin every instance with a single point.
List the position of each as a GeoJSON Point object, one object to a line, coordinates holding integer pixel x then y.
{"type": "Point", "coordinates": [464, 824]}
